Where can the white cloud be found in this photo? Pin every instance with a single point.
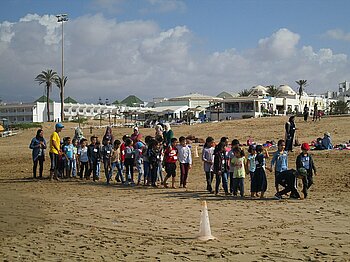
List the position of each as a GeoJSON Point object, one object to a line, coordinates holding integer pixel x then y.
{"type": "Point", "coordinates": [338, 34]}
{"type": "Point", "coordinates": [105, 58]}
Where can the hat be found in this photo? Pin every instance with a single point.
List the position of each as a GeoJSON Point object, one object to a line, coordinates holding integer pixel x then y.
{"type": "Point", "coordinates": [305, 146]}
{"type": "Point", "coordinates": [136, 128]}
{"type": "Point", "coordinates": [59, 125]}
{"type": "Point", "coordinates": [327, 134]}
{"type": "Point", "coordinates": [302, 172]}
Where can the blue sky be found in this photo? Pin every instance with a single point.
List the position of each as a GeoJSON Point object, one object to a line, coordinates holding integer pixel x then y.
{"type": "Point", "coordinates": [249, 38]}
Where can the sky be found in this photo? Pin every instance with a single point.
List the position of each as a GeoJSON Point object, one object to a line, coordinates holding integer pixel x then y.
{"type": "Point", "coordinates": [168, 48]}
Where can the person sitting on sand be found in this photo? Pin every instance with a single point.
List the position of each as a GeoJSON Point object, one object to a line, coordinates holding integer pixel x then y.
{"type": "Point", "coordinates": [327, 141]}
{"type": "Point", "coordinates": [288, 180]}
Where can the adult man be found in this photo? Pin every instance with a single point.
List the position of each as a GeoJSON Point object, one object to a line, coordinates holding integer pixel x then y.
{"type": "Point", "coordinates": [55, 150]}
{"type": "Point", "coordinates": [314, 118]}
{"type": "Point", "coordinates": [288, 180]}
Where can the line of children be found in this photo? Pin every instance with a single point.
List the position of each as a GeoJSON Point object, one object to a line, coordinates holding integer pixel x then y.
{"type": "Point", "coordinates": [215, 162]}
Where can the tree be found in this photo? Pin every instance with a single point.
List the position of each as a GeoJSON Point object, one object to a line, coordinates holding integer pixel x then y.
{"type": "Point", "coordinates": [244, 92]}
{"type": "Point", "coordinates": [273, 91]}
{"type": "Point", "coordinates": [48, 77]}
{"type": "Point", "coordinates": [61, 83]}
{"type": "Point", "coordinates": [340, 107]}
{"type": "Point", "coordinates": [302, 84]}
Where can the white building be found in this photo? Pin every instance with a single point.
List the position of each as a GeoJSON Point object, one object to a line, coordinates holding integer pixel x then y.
{"type": "Point", "coordinates": [259, 103]}
{"type": "Point", "coordinates": [37, 111]}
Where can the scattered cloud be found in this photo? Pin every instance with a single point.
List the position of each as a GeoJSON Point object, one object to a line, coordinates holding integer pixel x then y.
{"type": "Point", "coordinates": [164, 6]}
{"type": "Point", "coordinates": [338, 34]}
{"type": "Point", "coordinates": [109, 59]}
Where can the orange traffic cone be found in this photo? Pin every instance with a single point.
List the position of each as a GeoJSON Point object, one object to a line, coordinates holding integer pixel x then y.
{"type": "Point", "coordinates": [204, 226]}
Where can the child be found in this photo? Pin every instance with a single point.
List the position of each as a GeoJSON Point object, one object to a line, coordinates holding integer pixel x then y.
{"type": "Point", "coordinates": [251, 166]}
{"type": "Point", "coordinates": [146, 165]}
{"type": "Point", "coordinates": [153, 153]}
{"type": "Point", "coordinates": [75, 167]}
{"type": "Point", "coordinates": [68, 151]}
{"type": "Point", "coordinates": [129, 154]}
{"type": "Point", "coordinates": [220, 167]}
{"type": "Point", "coordinates": [259, 183]}
{"type": "Point", "coordinates": [288, 180]}
{"type": "Point", "coordinates": [280, 160]}
{"type": "Point", "coordinates": [116, 162]}
{"type": "Point", "coordinates": [239, 167]}
{"type": "Point", "coordinates": [170, 155]}
{"type": "Point", "coordinates": [106, 158]}
{"type": "Point", "coordinates": [230, 156]}
{"type": "Point", "coordinates": [83, 159]}
{"type": "Point", "coordinates": [208, 160]}
{"type": "Point", "coordinates": [160, 141]}
{"type": "Point", "coordinates": [94, 154]}
{"type": "Point", "coordinates": [98, 170]}
{"type": "Point", "coordinates": [305, 160]}
{"type": "Point", "coordinates": [185, 159]}
{"type": "Point", "coordinates": [139, 147]}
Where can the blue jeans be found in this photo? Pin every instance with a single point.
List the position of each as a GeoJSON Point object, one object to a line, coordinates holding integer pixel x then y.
{"type": "Point", "coordinates": [119, 174]}
{"type": "Point", "coordinates": [147, 172]}
{"type": "Point", "coordinates": [218, 178]}
{"type": "Point", "coordinates": [159, 173]}
{"type": "Point", "coordinates": [139, 166]}
{"type": "Point", "coordinates": [74, 167]}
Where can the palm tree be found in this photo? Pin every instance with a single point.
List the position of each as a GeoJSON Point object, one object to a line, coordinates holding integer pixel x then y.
{"type": "Point", "coordinates": [302, 84]}
{"type": "Point", "coordinates": [340, 107]}
{"type": "Point", "coordinates": [61, 83]}
{"type": "Point", "coordinates": [48, 77]}
{"type": "Point", "coordinates": [244, 92]}
{"type": "Point", "coordinates": [273, 91]}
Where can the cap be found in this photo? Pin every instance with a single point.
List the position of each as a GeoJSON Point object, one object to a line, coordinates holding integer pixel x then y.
{"type": "Point", "coordinates": [59, 125]}
{"type": "Point", "coordinates": [327, 134]}
{"type": "Point", "coordinates": [305, 146]}
{"type": "Point", "coordinates": [136, 128]}
{"type": "Point", "coordinates": [302, 171]}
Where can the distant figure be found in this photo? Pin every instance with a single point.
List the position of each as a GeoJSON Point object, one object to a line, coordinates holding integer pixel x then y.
{"type": "Point", "coordinates": [167, 134]}
{"type": "Point", "coordinates": [135, 134]}
{"type": "Point", "coordinates": [290, 133]}
{"type": "Point", "coordinates": [327, 141]}
{"type": "Point", "coordinates": [314, 118]}
{"type": "Point", "coordinates": [38, 145]}
{"type": "Point", "coordinates": [306, 112]}
{"type": "Point", "coordinates": [108, 136]}
{"type": "Point", "coordinates": [78, 134]}
{"type": "Point", "coordinates": [159, 130]}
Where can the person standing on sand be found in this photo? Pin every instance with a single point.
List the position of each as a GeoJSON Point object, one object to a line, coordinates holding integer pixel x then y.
{"type": "Point", "coordinates": [55, 150]}
{"type": "Point", "coordinates": [305, 160]}
{"type": "Point", "coordinates": [38, 146]}
{"type": "Point", "coordinates": [208, 160]}
{"type": "Point", "coordinates": [306, 112]}
{"type": "Point", "coordinates": [314, 118]}
{"type": "Point", "coordinates": [279, 160]}
{"type": "Point", "coordinates": [290, 133]}
{"type": "Point", "coordinates": [168, 134]}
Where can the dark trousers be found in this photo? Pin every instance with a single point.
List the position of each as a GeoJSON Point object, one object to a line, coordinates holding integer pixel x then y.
{"type": "Point", "coordinates": [184, 167]}
{"type": "Point", "coordinates": [153, 172]}
{"type": "Point", "coordinates": [238, 184]}
{"type": "Point", "coordinates": [93, 169]}
{"type": "Point", "coordinates": [107, 168]}
{"type": "Point", "coordinates": [129, 168]}
{"type": "Point", "coordinates": [40, 160]}
{"type": "Point", "coordinates": [209, 177]}
{"type": "Point", "coordinates": [84, 166]}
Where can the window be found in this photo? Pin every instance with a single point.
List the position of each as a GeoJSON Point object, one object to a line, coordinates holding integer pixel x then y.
{"type": "Point", "coordinates": [81, 110]}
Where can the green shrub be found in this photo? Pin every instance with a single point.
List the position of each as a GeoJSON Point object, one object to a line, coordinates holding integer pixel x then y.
{"type": "Point", "coordinates": [26, 125]}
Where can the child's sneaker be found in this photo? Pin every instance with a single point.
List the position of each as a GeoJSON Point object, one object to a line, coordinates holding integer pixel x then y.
{"type": "Point", "coordinates": [277, 197]}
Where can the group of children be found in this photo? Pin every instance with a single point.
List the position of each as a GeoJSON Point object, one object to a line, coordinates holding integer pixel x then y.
{"type": "Point", "coordinates": [148, 157]}
{"type": "Point", "coordinates": [231, 164]}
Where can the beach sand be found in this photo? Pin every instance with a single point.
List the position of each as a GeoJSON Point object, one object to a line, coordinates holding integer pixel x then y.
{"type": "Point", "coordinates": [74, 220]}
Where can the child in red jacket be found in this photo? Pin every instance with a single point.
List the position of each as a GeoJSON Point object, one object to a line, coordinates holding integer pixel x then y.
{"type": "Point", "coordinates": [170, 155]}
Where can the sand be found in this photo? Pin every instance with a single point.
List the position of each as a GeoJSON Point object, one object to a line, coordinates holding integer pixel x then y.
{"type": "Point", "coordinates": [73, 220]}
